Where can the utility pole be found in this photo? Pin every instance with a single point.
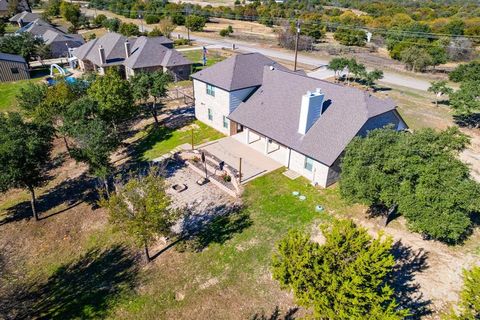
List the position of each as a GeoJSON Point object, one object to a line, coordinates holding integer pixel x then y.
{"type": "Point", "coordinates": [187, 11]}
{"type": "Point", "coordinates": [297, 36]}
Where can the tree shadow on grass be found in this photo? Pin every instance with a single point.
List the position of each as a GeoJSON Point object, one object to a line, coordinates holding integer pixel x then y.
{"type": "Point", "coordinates": [71, 192]}
{"type": "Point", "coordinates": [407, 292]}
{"type": "Point", "coordinates": [153, 136]}
{"type": "Point", "coordinates": [276, 315]}
{"type": "Point", "coordinates": [86, 288]}
{"type": "Point", "coordinates": [468, 121]}
{"type": "Point", "coordinates": [175, 119]}
{"type": "Point", "coordinates": [218, 225]}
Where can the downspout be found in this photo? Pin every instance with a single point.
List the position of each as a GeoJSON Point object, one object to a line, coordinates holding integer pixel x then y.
{"type": "Point", "coordinates": [289, 156]}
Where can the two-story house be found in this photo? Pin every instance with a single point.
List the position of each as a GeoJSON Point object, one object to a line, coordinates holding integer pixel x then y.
{"type": "Point", "coordinates": [221, 88]}
{"type": "Point", "coordinates": [301, 122]}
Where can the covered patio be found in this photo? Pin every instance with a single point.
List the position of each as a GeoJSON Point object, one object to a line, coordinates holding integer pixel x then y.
{"type": "Point", "coordinates": [230, 150]}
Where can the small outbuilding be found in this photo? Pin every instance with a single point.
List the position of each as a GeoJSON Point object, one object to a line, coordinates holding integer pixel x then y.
{"type": "Point", "coordinates": [13, 68]}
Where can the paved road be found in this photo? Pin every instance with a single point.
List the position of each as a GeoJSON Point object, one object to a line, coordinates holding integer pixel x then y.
{"type": "Point", "coordinates": [321, 64]}
{"type": "Point", "coordinates": [392, 78]}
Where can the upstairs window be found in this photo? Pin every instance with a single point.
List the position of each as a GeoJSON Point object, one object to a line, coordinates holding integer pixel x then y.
{"type": "Point", "coordinates": [308, 164]}
{"type": "Point", "coordinates": [210, 90]}
{"type": "Point", "coordinates": [210, 114]}
{"type": "Point", "coordinates": [225, 122]}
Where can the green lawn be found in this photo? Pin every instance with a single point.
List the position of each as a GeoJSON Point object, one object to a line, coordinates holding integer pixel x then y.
{"type": "Point", "coordinates": [232, 272]}
{"type": "Point", "coordinates": [157, 142]}
{"type": "Point", "coordinates": [196, 57]}
{"type": "Point", "coordinates": [8, 91]}
{"type": "Point", "coordinates": [11, 28]}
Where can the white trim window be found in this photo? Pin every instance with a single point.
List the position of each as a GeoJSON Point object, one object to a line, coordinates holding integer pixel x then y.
{"type": "Point", "coordinates": [210, 90]}
{"type": "Point", "coordinates": [308, 164]}
{"type": "Point", "coordinates": [210, 114]}
{"type": "Point", "coordinates": [225, 122]}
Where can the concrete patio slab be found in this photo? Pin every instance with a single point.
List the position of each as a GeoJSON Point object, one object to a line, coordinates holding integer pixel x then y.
{"type": "Point", "coordinates": [254, 163]}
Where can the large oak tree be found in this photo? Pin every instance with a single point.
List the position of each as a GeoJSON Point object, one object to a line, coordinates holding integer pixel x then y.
{"type": "Point", "coordinates": [24, 154]}
{"type": "Point", "coordinates": [417, 172]}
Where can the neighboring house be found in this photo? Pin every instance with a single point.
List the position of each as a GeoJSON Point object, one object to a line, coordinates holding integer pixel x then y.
{"type": "Point", "coordinates": [132, 55]}
{"type": "Point", "coordinates": [24, 18]}
{"type": "Point", "coordinates": [13, 68]}
{"type": "Point", "coordinates": [301, 122]}
{"type": "Point", "coordinates": [56, 38]}
{"type": "Point", "coordinates": [59, 43]}
{"type": "Point", "coordinates": [5, 9]}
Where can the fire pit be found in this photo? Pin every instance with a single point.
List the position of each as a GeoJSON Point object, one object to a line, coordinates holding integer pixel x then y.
{"type": "Point", "coordinates": [179, 187]}
{"type": "Point", "coordinates": [202, 181]}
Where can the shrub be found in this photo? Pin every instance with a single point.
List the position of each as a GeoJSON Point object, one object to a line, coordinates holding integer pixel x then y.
{"type": "Point", "coordinates": [226, 32]}
{"type": "Point", "coordinates": [180, 42]}
{"type": "Point", "coordinates": [99, 19]}
{"type": "Point", "coordinates": [226, 177]}
{"type": "Point", "coordinates": [151, 19]}
{"type": "Point", "coordinates": [350, 37]}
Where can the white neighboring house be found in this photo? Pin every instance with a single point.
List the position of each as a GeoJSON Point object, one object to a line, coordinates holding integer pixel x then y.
{"type": "Point", "coordinates": [301, 122]}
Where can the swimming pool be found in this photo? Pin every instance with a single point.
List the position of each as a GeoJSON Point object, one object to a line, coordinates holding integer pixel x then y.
{"type": "Point", "coordinates": [70, 80]}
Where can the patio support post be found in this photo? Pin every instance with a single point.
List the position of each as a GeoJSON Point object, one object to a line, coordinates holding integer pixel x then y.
{"type": "Point", "coordinates": [240, 170]}
{"type": "Point", "coordinates": [193, 147]}
{"type": "Point", "coordinates": [247, 136]}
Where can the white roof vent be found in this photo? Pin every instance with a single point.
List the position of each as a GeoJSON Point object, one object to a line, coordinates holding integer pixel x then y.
{"type": "Point", "coordinates": [272, 68]}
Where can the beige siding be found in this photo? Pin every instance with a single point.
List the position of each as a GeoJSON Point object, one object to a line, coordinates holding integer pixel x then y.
{"type": "Point", "coordinates": [295, 161]}
{"type": "Point", "coordinates": [318, 174]}
{"type": "Point", "coordinates": [218, 104]}
{"type": "Point", "coordinates": [7, 74]}
{"type": "Point", "coordinates": [178, 73]}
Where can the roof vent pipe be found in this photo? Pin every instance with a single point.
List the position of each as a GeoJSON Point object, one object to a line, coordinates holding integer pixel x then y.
{"type": "Point", "coordinates": [272, 68]}
{"type": "Point", "coordinates": [101, 52]}
{"type": "Point", "coordinates": [127, 48]}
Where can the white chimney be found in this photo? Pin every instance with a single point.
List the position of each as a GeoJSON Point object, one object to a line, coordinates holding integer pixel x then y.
{"type": "Point", "coordinates": [101, 52]}
{"type": "Point", "coordinates": [127, 48]}
{"type": "Point", "coordinates": [310, 110]}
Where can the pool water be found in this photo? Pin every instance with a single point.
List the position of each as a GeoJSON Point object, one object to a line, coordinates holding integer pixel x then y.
{"type": "Point", "coordinates": [70, 80]}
